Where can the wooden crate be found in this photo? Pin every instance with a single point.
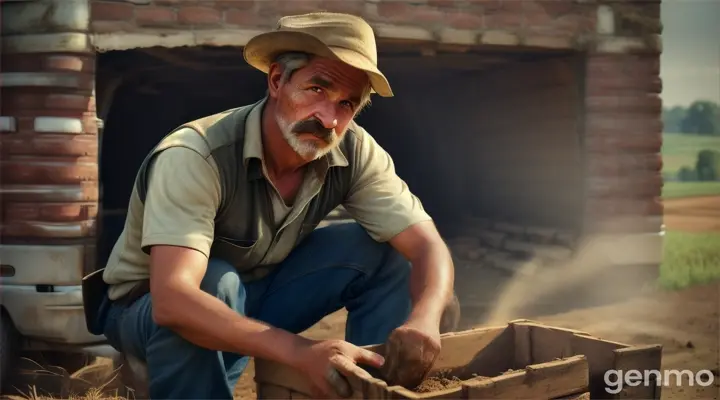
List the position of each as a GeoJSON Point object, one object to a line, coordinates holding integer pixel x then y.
{"type": "Point", "coordinates": [521, 360]}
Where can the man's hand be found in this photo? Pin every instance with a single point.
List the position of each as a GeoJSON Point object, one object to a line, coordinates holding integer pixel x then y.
{"type": "Point", "coordinates": [326, 363]}
{"type": "Point", "coordinates": [411, 351]}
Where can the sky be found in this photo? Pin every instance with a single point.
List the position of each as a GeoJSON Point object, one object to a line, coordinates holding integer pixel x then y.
{"type": "Point", "coordinates": [690, 63]}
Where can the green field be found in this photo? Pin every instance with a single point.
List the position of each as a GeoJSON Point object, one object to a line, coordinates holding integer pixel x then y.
{"type": "Point", "coordinates": [674, 190]}
{"type": "Point", "coordinates": [690, 258]}
{"type": "Point", "coordinates": [681, 149]}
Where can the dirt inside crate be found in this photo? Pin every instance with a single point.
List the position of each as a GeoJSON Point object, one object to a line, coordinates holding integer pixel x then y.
{"type": "Point", "coordinates": [444, 380]}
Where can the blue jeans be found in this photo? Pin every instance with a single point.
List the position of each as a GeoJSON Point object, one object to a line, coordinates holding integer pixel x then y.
{"type": "Point", "coordinates": [334, 267]}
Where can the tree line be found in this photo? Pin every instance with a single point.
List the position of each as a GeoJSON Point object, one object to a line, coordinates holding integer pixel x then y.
{"type": "Point", "coordinates": [706, 168]}
{"type": "Point", "coordinates": [702, 117]}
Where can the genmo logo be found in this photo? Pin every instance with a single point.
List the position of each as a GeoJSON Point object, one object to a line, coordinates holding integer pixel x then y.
{"type": "Point", "coordinates": [616, 380]}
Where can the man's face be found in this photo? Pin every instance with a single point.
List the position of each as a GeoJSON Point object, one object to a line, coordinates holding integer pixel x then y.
{"type": "Point", "coordinates": [315, 106]}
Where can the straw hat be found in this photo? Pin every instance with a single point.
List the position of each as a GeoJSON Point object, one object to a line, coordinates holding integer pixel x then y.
{"type": "Point", "coordinates": [342, 37]}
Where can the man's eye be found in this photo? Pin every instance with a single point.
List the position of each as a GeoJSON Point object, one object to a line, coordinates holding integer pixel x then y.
{"type": "Point", "coordinates": [316, 89]}
{"type": "Point", "coordinates": [347, 104]}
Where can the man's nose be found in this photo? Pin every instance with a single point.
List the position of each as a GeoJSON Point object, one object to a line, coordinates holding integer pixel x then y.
{"type": "Point", "coordinates": [327, 118]}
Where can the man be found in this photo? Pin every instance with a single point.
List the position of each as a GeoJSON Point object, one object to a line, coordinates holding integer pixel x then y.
{"type": "Point", "coordinates": [219, 259]}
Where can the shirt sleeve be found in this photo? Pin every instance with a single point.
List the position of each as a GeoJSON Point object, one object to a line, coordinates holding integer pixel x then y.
{"type": "Point", "coordinates": [182, 199]}
{"type": "Point", "coordinates": [378, 199]}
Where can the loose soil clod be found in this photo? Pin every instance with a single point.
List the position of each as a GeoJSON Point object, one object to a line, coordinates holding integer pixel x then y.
{"type": "Point", "coordinates": [436, 383]}
{"type": "Point", "coordinates": [442, 381]}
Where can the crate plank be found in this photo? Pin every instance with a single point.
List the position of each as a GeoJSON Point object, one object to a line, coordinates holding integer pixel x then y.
{"type": "Point", "coordinates": [523, 347]}
{"type": "Point", "coordinates": [539, 381]}
{"type": "Point", "coordinates": [577, 396]}
{"type": "Point", "coordinates": [461, 348]}
{"type": "Point", "coordinates": [639, 358]}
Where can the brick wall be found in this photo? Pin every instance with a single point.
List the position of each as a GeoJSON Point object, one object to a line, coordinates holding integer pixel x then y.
{"type": "Point", "coordinates": [563, 23]}
{"type": "Point", "coordinates": [623, 124]}
{"type": "Point", "coordinates": [623, 139]}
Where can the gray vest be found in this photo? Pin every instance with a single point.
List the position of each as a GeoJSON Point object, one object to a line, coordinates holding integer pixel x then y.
{"type": "Point", "coordinates": [244, 226]}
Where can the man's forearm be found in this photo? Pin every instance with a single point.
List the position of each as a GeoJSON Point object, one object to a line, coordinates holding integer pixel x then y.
{"type": "Point", "coordinates": [206, 321]}
{"type": "Point", "coordinates": [431, 282]}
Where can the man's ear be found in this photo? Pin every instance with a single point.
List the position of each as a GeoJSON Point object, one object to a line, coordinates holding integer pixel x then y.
{"type": "Point", "coordinates": [274, 77]}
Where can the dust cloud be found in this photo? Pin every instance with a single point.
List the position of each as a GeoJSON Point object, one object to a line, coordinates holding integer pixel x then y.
{"type": "Point", "coordinates": [584, 280]}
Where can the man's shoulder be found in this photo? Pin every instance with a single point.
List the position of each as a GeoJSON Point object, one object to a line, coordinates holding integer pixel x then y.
{"type": "Point", "coordinates": [188, 139]}
{"type": "Point", "coordinates": [206, 134]}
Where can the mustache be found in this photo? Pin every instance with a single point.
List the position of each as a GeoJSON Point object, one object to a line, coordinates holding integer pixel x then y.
{"type": "Point", "coordinates": [314, 127]}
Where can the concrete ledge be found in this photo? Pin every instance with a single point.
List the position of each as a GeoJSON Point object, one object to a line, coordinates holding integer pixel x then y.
{"type": "Point", "coordinates": [45, 16]}
{"type": "Point", "coordinates": [47, 43]}
{"type": "Point", "coordinates": [177, 38]}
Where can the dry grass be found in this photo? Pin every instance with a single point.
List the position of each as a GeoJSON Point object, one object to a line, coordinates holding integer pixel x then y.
{"type": "Point", "coordinates": [97, 381]}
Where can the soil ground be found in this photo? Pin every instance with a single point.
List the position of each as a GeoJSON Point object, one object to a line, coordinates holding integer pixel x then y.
{"type": "Point", "coordinates": [693, 214]}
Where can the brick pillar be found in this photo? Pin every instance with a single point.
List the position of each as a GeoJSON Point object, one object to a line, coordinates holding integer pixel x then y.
{"type": "Point", "coordinates": [623, 126]}
{"type": "Point", "coordinates": [49, 130]}
{"type": "Point", "coordinates": [623, 139]}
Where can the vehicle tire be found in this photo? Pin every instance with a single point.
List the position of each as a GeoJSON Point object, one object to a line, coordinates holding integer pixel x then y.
{"type": "Point", "coordinates": [9, 341]}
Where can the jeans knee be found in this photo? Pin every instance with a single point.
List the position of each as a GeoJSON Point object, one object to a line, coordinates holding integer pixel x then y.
{"type": "Point", "coordinates": [222, 281]}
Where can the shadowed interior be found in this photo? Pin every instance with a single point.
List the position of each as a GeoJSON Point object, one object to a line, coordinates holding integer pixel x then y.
{"type": "Point", "coordinates": [486, 134]}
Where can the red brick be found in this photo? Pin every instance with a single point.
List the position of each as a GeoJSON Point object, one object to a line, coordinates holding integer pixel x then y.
{"type": "Point", "coordinates": [151, 16]}
{"type": "Point", "coordinates": [463, 20]}
{"type": "Point", "coordinates": [535, 14]}
{"type": "Point", "coordinates": [288, 7]}
{"type": "Point", "coordinates": [625, 103]}
{"type": "Point", "coordinates": [424, 14]}
{"type": "Point", "coordinates": [641, 144]}
{"type": "Point", "coordinates": [46, 63]}
{"type": "Point", "coordinates": [34, 101]}
{"type": "Point", "coordinates": [609, 85]}
{"type": "Point", "coordinates": [443, 3]}
{"type": "Point", "coordinates": [629, 184]}
{"type": "Point", "coordinates": [624, 64]}
{"type": "Point", "coordinates": [235, 4]}
{"type": "Point", "coordinates": [612, 164]}
{"type": "Point", "coordinates": [199, 16]}
{"type": "Point", "coordinates": [394, 10]}
{"type": "Point", "coordinates": [355, 7]}
{"type": "Point", "coordinates": [497, 6]}
{"type": "Point", "coordinates": [602, 207]}
{"type": "Point", "coordinates": [111, 11]}
{"type": "Point", "coordinates": [241, 17]}
{"type": "Point", "coordinates": [620, 123]}
{"type": "Point", "coordinates": [502, 19]}
{"type": "Point", "coordinates": [112, 26]}
{"type": "Point", "coordinates": [58, 212]}
{"type": "Point", "coordinates": [55, 145]}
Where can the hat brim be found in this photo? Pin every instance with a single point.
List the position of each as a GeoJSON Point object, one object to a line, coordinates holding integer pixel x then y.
{"type": "Point", "coordinates": [261, 50]}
